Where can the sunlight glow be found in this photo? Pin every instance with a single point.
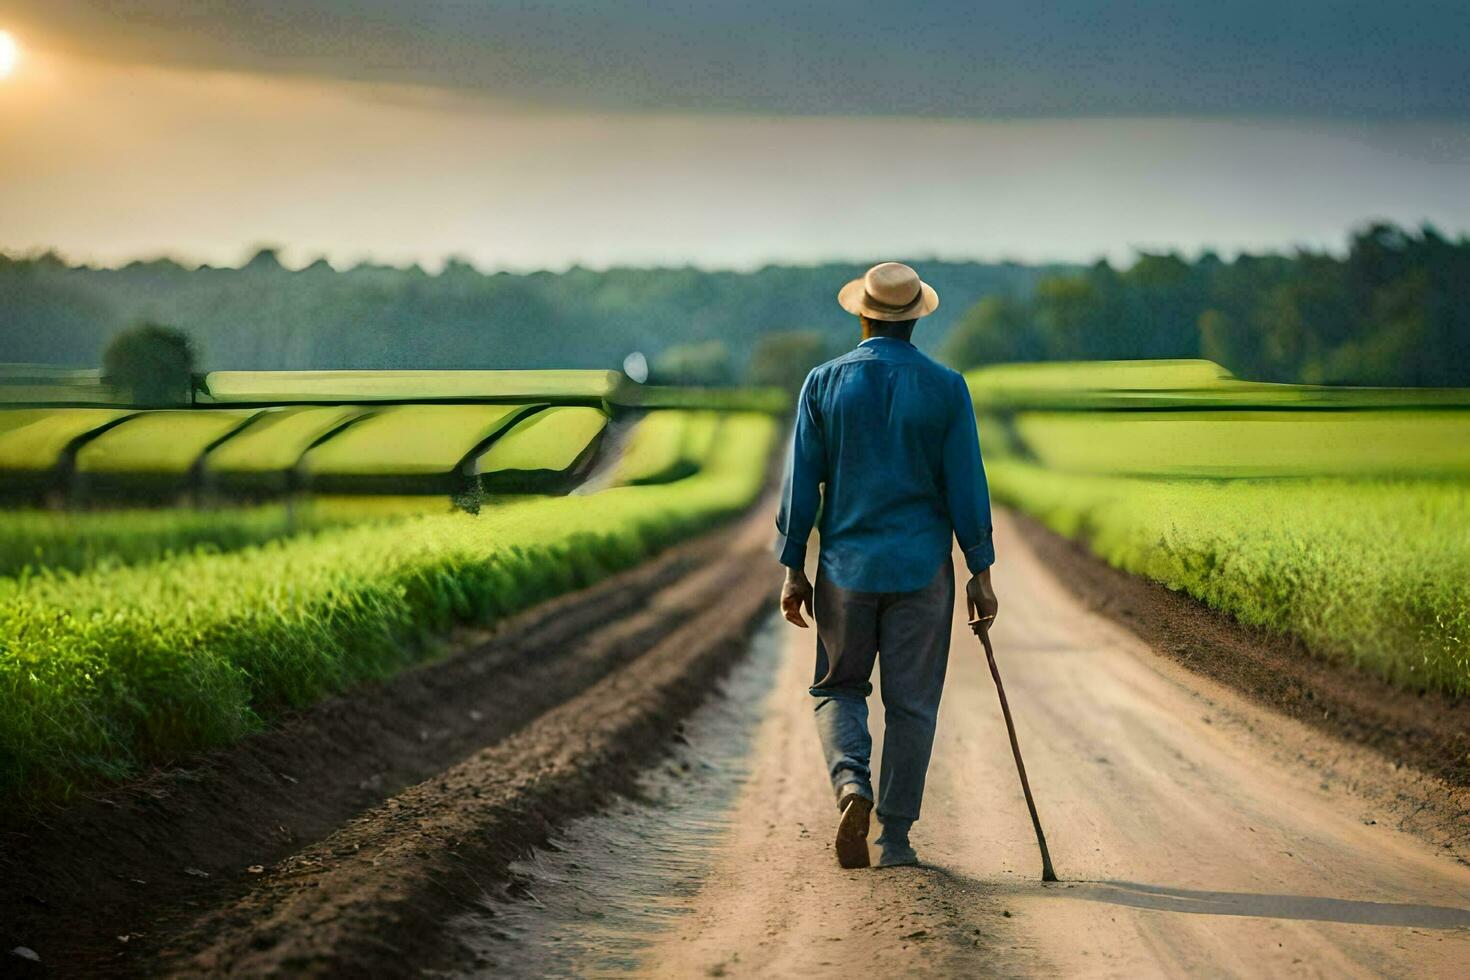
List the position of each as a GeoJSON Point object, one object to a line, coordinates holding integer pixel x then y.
{"type": "Point", "coordinates": [9, 54]}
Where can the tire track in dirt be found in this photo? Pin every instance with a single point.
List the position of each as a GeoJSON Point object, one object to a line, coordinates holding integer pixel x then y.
{"type": "Point", "coordinates": [1196, 833]}
{"type": "Point", "coordinates": [1425, 730]}
{"type": "Point", "coordinates": [373, 897]}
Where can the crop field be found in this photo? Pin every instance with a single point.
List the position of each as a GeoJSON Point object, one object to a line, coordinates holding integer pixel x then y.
{"type": "Point", "coordinates": [32, 440]}
{"type": "Point", "coordinates": [50, 542]}
{"type": "Point", "coordinates": [1348, 527]}
{"type": "Point", "coordinates": [667, 445]}
{"type": "Point", "coordinates": [410, 440]}
{"type": "Point", "coordinates": [165, 443]}
{"type": "Point", "coordinates": [1332, 442]}
{"type": "Point", "coordinates": [548, 442]}
{"type": "Point", "coordinates": [1182, 384]}
{"type": "Point", "coordinates": [270, 448]}
{"type": "Point", "coordinates": [131, 636]}
{"type": "Point", "coordinates": [286, 387]}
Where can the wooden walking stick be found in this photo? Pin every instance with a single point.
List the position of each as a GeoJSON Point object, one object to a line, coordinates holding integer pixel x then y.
{"type": "Point", "coordinates": [982, 630]}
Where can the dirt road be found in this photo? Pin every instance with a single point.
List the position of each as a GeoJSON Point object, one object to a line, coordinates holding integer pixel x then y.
{"type": "Point", "coordinates": [1197, 834]}
{"type": "Point", "coordinates": [388, 832]}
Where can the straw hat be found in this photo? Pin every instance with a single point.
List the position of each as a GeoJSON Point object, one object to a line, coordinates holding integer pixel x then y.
{"type": "Point", "coordinates": [889, 291]}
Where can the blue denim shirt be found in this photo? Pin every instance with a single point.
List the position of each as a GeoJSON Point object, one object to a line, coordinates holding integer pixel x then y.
{"type": "Point", "coordinates": [885, 446]}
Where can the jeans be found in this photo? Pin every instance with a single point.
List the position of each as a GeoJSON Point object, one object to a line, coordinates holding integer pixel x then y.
{"type": "Point", "coordinates": [910, 631]}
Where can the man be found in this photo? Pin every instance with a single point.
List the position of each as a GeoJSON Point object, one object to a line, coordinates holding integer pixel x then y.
{"type": "Point", "coordinates": [885, 446]}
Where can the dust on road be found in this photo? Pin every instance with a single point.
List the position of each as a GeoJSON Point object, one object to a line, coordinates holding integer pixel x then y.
{"type": "Point", "coordinates": [1197, 834]}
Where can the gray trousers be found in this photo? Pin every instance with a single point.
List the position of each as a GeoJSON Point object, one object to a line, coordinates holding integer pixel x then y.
{"type": "Point", "coordinates": [910, 631]}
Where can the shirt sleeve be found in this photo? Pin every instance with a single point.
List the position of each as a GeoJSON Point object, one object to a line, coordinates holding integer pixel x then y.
{"type": "Point", "coordinates": [801, 489]}
{"type": "Point", "coordinates": [966, 492]}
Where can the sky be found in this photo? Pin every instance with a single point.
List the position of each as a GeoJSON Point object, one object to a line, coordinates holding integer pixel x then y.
{"type": "Point", "coordinates": [603, 132]}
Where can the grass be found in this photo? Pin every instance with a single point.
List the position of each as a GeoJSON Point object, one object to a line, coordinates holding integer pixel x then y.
{"type": "Point", "coordinates": [104, 673]}
{"type": "Point", "coordinates": [40, 542]}
{"type": "Point", "coordinates": [549, 441]}
{"type": "Point", "coordinates": [1373, 572]}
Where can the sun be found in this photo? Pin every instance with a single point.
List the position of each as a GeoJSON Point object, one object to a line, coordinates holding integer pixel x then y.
{"type": "Point", "coordinates": [9, 54]}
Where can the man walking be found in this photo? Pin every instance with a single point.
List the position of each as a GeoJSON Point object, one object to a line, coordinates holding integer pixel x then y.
{"type": "Point", "coordinates": [885, 447]}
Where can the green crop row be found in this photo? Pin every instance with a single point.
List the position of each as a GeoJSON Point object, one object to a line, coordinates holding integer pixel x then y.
{"type": "Point", "coordinates": [102, 673]}
{"type": "Point", "coordinates": [35, 542]}
{"type": "Point", "coordinates": [1347, 442]}
{"type": "Point", "coordinates": [104, 453]}
{"type": "Point", "coordinates": [1373, 572]}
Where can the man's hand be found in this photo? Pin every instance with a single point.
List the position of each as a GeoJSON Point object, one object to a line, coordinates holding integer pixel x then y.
{"type": "Point", "coordinates": [797, 592]}
{"type": "Point", "coordinates": [981, 602]}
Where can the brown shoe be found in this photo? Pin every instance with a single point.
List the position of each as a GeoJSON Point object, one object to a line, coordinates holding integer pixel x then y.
{"type": "Point", "coordinates": [852, 831]}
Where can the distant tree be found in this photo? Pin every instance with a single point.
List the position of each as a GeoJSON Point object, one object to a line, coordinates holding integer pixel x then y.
{"type": "Point", "coordinates": [996, 330]}
{"type": "Point", "coordinates": [783, 359]}
{"type": "Point", "coordinates": [1162, 302]}
{"type": "Point", "coordinates": [152, 364]}
{"type": "Point", "coordinates": [693, 364]}
{"type": "Point", "coordinates": [1220, 340]}
{"type": "Point", "coordinates": [1068, 311]}
{"type": "Point", "coordinates": [266, 258]}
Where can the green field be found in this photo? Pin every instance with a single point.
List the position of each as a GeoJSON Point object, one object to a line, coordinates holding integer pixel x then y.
{"type": "Point", "coordinates": [32, 440]}
{"type": "Point", "coordinates": [1374, 572]}
{"type": "Point", "coordinates": [665, 445]}
{"type": "Point", "coordinates": [48, 542]}
{"type": "Point", "coordinates": [285, 387]}
{"type": "Point", "coordinates": [275, 443]}
{"type": "Point", "coordinates": [1347, 526]}
{"type": "Point", "coordinates": [432, 443]}
{"type": "Point", "coordinates": [106, 671]}
{"type": "Point", "coordinates": [1182, 384]}
{"type": "Point", "coordinates": [158, 443]}
{"type": "Point", "coordinates": [548, 442]}
{"type": "Point", "coordinates": [1349, 443]}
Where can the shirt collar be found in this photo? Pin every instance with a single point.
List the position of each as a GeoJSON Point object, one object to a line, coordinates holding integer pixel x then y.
{"type": "Point", "coordinates": [885, 341]}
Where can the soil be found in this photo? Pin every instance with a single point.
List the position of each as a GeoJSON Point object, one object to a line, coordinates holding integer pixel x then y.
{"type": "Point", "coordinates": [1196, 831]}
{"type": "Point", "coordinates": [105, 884]}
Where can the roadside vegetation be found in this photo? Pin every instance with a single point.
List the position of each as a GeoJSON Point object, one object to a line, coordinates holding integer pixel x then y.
{"type": "Point", "coordinates": [54, 542]}
{"type": "Point", "coordinates": [104, 672]}
{"type": "Point", "coordinates": [1339, 516]}
{"type": "Point", "coordinates": [1376, 572]}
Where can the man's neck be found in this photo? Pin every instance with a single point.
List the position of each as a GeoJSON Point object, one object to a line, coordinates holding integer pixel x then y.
{"type": "Point", "coordinates": [870, 332]}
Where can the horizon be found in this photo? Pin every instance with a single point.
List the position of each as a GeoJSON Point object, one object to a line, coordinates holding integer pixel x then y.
{"type": "Point", "coordinates": [291, 259]}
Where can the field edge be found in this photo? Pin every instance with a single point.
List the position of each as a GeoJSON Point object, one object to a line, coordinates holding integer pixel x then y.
{"type": "Point", "coordinates": [1421, 738]}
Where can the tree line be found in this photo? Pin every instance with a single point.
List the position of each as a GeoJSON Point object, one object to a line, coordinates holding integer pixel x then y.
{"type": "Point", "coordinates": [692, 325]}
{"type": "Point", "coordinates": [1394, 309]}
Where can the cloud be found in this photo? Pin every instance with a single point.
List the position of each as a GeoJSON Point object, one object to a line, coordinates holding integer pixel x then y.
{"type": "Point", "coordinates": [954, 58]}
